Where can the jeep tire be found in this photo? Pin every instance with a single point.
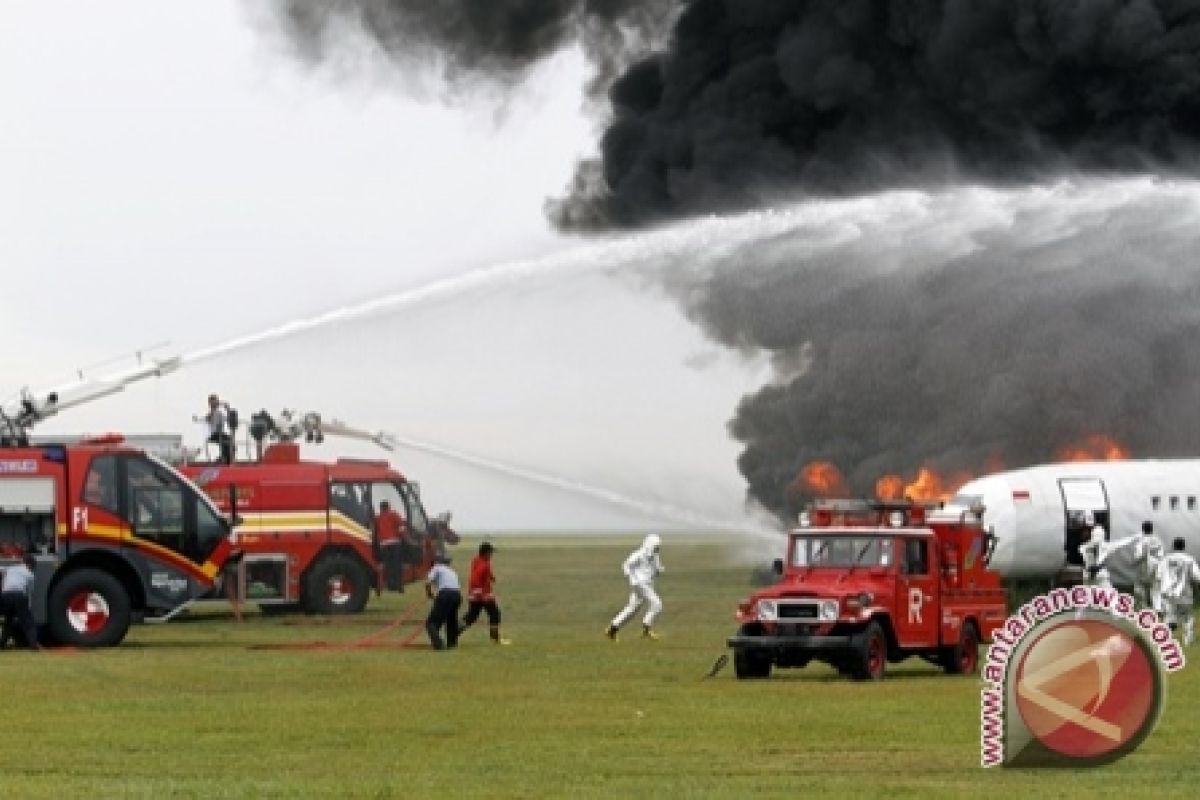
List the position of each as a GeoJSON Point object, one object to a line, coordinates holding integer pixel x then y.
{"type": "Point", "coordinates": [750, 663]}
{"type": "Point", "coordinates": [867, 659]}
{"type": "Point", "coordinates": [963, 658]}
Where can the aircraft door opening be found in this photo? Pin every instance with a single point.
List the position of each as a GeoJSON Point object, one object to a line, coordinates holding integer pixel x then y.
{"type": "Point", "coordinates": [1081, 495]}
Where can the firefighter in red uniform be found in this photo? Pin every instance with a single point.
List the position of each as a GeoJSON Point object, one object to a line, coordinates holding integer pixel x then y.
{"type": "Point", "coordinates": [389, 527]}
{"type": "Point", "coordinates": [480, 596]}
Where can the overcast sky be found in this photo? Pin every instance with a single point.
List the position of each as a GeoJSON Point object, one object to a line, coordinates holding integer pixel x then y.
{"type": "Point", "coordinates": [167, 174]}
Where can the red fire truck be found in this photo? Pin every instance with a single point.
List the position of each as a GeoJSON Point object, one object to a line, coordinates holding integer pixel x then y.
{"type": "Point", "coordinates": [118, 532]}
{"type": "Point", "coordinates": [866, 583]}
{"type": "Point", "coordinates": [115, 533]}
{"type": "Point", "coordinates": [306, 529]}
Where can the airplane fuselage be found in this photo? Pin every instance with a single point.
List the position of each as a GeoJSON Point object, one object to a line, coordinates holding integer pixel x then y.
{"type": "Point", "coordinates": [1036, 514]}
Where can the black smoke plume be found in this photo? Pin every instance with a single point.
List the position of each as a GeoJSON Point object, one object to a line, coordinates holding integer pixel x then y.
{"type": "Point", "coordinates": [901, 348]}
{"type": "Point", "coordinates": [761, 99]}
{"type": "Point", "coordinates": [473, 41]}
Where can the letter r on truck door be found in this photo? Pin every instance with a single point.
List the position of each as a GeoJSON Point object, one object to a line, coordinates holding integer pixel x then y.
{"type": "Point", "coordinates": [916, 598]}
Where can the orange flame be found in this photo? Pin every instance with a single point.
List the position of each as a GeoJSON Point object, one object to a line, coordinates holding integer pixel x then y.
{"type": "Point", "coordinates": [889, 487]}
{"type": "Point", "coordinates": [928, 485]}
{"type": "Point", "coordinates": [820, 479]}
{"type": "Point", "coordinates": [1094, 447]}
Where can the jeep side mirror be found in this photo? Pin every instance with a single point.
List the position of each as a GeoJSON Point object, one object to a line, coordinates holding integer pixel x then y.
{"type": "Point", "coordinates": [777, 566]}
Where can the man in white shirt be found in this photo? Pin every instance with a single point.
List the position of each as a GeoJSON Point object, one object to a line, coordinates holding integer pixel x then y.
{"type": "Point", "coordinates": [443, 588]}
{"type": "Point", "coordinates": [1176, 574]}
{"type": "Point", "coordinates": [641, 567]}
{"type": "Point", "coordinates": [15, 591]}
{"type": "Point", "coordinates": [217, 420]}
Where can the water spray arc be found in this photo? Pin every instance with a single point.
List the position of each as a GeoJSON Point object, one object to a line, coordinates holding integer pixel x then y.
{"type": "Point", "coordinates": [676, 243]}
{"type": "Point", "coordinates": [648, 508]}
{"type": "Point", "coordinates": [709, 237]}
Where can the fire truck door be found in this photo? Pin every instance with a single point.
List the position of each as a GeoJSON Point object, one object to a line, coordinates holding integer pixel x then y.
{"type": "Point", "coordinates": [917, 614]}
{"type": "Point", "coordinates": [1081, 495]}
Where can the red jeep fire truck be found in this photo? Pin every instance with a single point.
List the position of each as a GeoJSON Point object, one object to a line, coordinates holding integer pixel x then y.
{"type": "Point", "coordinates": [307, 528]}
{"type": "Point", "coordinates": [869, 582]}
{"type": "Point", "coordinates": [115, 533]}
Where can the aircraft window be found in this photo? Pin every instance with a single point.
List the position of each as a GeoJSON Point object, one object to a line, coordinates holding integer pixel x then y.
{"type": "Point", "coordinates": [1174, 503]}
{"type": "Point", "coordinates": [1155, 502]}
{"type": "Point", "coordinates": [1191, 504]}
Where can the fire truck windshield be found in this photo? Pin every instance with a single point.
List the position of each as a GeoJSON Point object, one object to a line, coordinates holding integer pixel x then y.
{"type": "Point", "coordinates": [164, 507]}
{"type": "Point", "coordinates": [400, 497]}
{"type": "Point", "coordinates": [201, 497]}
{"type": "Point", "coordinates": [417, 520]}
{"type": "Point", "coordinates": [841, 551]}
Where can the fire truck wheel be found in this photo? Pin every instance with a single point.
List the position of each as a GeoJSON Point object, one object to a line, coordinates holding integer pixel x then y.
{"type": "Point", "coordinates": [868, 653]}
{"type": "Point", "coordinates": [963, 658]}
{"type": "Point", "coordinates": [89, 608]}
{"type": "Point", "coordinates": [748, 665]}
{"type": "Point", "coordinates": [751, 664]}
{"type": "Point", "coordinates": [336, 584]}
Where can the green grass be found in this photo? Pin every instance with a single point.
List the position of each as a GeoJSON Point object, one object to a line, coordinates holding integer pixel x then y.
{"type": "Point", "coordinates": [197, 708]}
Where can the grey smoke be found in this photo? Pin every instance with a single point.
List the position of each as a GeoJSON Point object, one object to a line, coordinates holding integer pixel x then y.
{"type": "Point", "coordinates": [954, 327]}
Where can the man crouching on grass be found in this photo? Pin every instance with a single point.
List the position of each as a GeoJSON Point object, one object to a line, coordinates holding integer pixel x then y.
{"type": "Point", "coordinates": [443, 588]}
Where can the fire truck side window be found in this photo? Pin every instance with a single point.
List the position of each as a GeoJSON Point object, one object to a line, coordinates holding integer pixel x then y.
{"type": "Point", "coordinates": [916, 557]}
{"type": "Point", "coordinates": [353, 500]}
{"type": "Point", "coordinates": [154, 504]}
{"type": "Point", "coordinates": [100, 486]}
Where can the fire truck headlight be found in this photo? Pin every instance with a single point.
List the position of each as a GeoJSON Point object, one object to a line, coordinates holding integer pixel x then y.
{"type": "Point", "coordinates": [767, 610]}
{"type": "Point", "coordinates": [896, 519]}
{"type": "Point", "coordinates": [804, 519]}
{"type": "Point", "coordinates": [829, 610]}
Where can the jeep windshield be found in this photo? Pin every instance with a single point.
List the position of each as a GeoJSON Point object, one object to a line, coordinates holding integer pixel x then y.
{"type": "Point", "coordinates": [841, 551]}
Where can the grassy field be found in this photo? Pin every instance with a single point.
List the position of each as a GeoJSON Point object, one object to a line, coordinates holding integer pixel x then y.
{"type": "Point", "coordinates": [205, 707]}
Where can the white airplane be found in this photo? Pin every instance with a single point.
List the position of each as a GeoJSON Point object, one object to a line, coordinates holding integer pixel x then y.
{"type": "Point", "coordinates": [1036, 514]}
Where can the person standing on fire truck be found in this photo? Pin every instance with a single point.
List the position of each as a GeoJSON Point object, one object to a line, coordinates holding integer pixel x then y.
{"type": "Point", "coordinates": [217, 420]}
{"type": "Point", "coordinates": [15, 591]}
{"type": "Point", "coordinates": [1176, 574]}
{"type": "Point", "coordinates": [389, 527]}
{"type": "Point", "coordinates": [480, 596]}
{"type": "Point", "coordinates": [641, 567]}
{"type": "Point", "coordinates": [443, 588]}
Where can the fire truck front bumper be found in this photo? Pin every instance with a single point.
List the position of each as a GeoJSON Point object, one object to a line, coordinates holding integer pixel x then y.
{"type": "Point", "coordinates": [788, 642]}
